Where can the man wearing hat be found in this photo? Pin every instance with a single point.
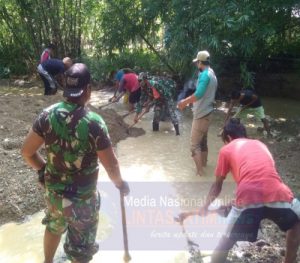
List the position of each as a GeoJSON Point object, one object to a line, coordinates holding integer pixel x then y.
{"type": "Point", "coordinates": [202, 99]}
{"type": "Point", "coordinates": [75, 139]}
{"type": "Point", "coordinates": [158, 91]}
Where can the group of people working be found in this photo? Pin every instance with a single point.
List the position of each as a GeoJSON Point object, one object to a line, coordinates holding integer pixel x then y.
{"type": "Point", "coordinates": [76, 138]}
{"type": "Point", "coordinates": [145, 91]}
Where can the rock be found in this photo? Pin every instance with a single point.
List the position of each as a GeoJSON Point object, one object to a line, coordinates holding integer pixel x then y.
{"type": "Point", "coordinates": [261, 243]}
{"type": "Point", "coordinates": [282, 157]}
{"type": "Point", "coordinates": [19, 82]}
{"type": "Point", "coordinates": [260, 129]}
{"type": "Point", "coordinates": [9, 144]}
{"type": "Point", "coordinates": [247, 255]}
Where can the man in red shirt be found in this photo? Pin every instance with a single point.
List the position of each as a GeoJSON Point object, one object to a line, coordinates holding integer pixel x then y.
{"type": "Point", "coordinates": [260, 193]}
{"type": "Point", "coordinates": [47, 53]}
{"type": "Point", "coordinates": [129, 82]}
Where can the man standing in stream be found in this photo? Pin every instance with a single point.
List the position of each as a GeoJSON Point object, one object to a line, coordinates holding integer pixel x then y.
{"type": "Point", "coordinates": [202, 100]}
{"type": "Point", "coordinates": [157, 91]}
{"type": "Point", "coordinates": [75, 139]}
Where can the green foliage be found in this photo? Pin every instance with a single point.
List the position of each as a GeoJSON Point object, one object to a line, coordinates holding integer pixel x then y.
{"type": "Point", "coordinates": [248, 31]}
{"type": "Point", "coordinates": [247, 77]}
{"type": "Point", "coordinates": [27, 26]}
{"type": "Point", "coordinates": [122, 32]}
{"type": "Point", "coordinates": [138, 60]}
{"type": "Point", "coordinates": [4, 72]}
{"type": "Point", "coordinates": [11, 60]}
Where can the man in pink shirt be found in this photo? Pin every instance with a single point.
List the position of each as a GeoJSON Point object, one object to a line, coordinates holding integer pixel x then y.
{"type": "Point", "coordinates": [47, 53]}
{"type": "Point", "coordinates": [260, 193]}
{"type": "Point", "coordinates": [130, 83]}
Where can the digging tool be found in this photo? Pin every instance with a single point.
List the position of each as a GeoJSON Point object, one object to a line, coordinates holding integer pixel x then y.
{"type": "Point", "coordinates": [222, 211]}
{"type": "Point", "coordinates": [193, 248]}
{"type": "Point", "coordinates": [105, 105]}
{"type": "Point", "coordinates": [141, 115]}
{"type": "Point", "coordinates": [127, 256]}
{"type": "Point", "coordinates": [147, 109]}
{"type": "Point", "coordinates": [191, 244]}
{"type": "Point", "coordinates": [127, 114]}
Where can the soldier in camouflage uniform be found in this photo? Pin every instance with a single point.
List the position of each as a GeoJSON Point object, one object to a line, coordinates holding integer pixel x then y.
{"type": "Point", "coordinates": [75, 138]}
{"type": "Point", "coordinates": [159, 91]}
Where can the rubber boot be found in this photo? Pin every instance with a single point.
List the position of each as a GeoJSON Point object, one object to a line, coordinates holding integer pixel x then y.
{"type": "Point", "coordinates": [155, 126]}
{"type": "Point", "coordinates": [176, 126]}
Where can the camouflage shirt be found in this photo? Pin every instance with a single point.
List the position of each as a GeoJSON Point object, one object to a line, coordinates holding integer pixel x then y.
{"type": "Point", "coordinates": [164, 86]}
{"type": "Point", "coordinates": [72, 135]}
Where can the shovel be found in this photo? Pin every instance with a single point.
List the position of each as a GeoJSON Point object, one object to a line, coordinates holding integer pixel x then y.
{"type": "Point", "coordinates": [146, 110]}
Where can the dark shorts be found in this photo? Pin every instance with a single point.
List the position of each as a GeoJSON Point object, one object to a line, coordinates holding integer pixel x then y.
{"type": "Point", "coordinates": [244, 223]}
{"type": "Point", "coordinates": [134, 96]}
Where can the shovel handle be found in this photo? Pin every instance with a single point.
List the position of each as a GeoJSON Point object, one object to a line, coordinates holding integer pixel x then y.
{"type": "Point", "coordinates": [105, 105]}
{"type": "Point", "coordinates": [127, 256]}
{"type": "Point", "coordinates": [222, 211]}
{"type": "Point", "coordinates": [141, 115]}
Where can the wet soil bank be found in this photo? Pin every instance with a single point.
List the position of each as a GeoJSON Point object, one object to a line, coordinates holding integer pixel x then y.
{"type": "Point", "coordinates": [20, 194]}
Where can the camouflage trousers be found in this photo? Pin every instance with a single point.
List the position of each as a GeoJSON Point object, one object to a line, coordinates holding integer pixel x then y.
{"type": "Point", "coordinates": [79, 217]}
{"type": "Point", "coordinates": [163, 108]}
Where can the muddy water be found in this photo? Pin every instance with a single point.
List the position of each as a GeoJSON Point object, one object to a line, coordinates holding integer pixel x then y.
{"type": "Point", "coordinates": [281, 108]}
{"type": "Point", "coordinates": [163, 183]}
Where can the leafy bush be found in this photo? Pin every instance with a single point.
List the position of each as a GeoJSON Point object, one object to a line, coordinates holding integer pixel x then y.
{"type": "Point", "coordinates": [12, 61]}
{"type": "Point", "coordinates": [4, 72]}
{"type": "Point", "coordinates": [138, 60]}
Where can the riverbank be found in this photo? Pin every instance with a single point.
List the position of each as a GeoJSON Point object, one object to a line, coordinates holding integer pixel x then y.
{"type": "Point", "coordinates": [20, 194]}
